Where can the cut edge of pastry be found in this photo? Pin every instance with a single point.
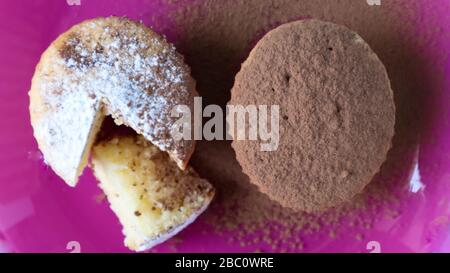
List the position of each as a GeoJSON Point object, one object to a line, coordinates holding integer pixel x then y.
{"type": "Point", "coordinates": [95, 129]}
{"type": "Point", "coordinates": [152, 198]}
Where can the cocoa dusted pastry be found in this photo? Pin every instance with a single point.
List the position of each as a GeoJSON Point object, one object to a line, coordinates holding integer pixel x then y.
{"type": "Point", "coordinates": [337, 114]}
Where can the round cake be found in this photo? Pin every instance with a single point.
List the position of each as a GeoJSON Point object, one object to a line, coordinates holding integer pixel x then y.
{"type": "Point", "coordinates": [337, 114]}
{"type": "Point", "coordinates": [107, 66]}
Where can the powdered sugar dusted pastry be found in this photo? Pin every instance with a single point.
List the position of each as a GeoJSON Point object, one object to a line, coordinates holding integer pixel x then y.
{"type": "Point", "coordinates": [107, 66]}
{"type": "Point", "coordinates": [152, 198]}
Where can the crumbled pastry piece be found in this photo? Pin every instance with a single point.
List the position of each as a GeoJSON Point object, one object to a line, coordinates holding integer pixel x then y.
{"type": "Point", "coordinates": [150, 195]}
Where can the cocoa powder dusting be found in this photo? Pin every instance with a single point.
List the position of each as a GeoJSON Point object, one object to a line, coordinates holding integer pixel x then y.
{"type": "Point", "coordinates": [337, 114]}
{"type": "Point", "coordinates": [216, 37]}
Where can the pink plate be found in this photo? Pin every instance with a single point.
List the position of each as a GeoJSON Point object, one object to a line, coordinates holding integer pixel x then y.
{"type": "Point", "coordinates": [39, 213]}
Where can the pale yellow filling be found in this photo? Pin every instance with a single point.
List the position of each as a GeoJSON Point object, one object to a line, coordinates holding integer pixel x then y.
{"type": "Point", "coordinates": [147, 191]}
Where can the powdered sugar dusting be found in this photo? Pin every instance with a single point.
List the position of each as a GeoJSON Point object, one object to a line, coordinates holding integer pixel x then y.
{"type": "Point", "coordinates": [112, 66]}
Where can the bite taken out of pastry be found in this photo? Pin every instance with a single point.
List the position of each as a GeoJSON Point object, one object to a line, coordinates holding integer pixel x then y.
{"type": "Point", "coordinates": [119, 68]}
{"type": "Point", "coordinates": [107, 66]}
